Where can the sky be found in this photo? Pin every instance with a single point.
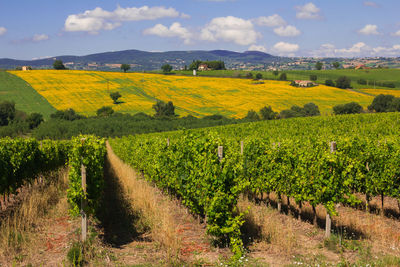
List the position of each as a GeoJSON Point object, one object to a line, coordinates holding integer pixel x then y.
{"type": "Point", "coordinates": [318, 28]}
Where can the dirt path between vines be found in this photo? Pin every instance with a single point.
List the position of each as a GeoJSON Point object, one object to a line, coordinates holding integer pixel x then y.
{"type": "Point", "coordinates": [146, 226]}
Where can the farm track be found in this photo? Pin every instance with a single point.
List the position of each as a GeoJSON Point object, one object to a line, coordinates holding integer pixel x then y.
{"type": "Point", "coordinates": [182, 237]}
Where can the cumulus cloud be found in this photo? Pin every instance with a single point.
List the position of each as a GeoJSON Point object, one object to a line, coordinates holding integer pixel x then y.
{"type": "Point", "coordinates": [370, 4]}
{"type": "Point", "coordinates": [356, 49]}
{"type": "Point", "coordinates": [308, 11]}
{"type": "Point", "coordinates": [387, 51]}
{"type": "Point", "coordinates": [93, 21]}
{"type": "Point", "coordinates": [270, 21]}
{"type": "Point", "coordinates": [369, 29]}
{"type": "Point", "coordinates": [285, 49]}
{"type": "Point", "coordinates": [259, 48]}
{"type": "Point", "coordinates": [2, 31]}
{"type": "Point", "coordinates": [393, 34]}
{"type": "Point", "coordinates": [287, 31]}
{"type": "Point", "coordinates": [230, 29]}
{"type": "Point", "coordinates": [175, 30]}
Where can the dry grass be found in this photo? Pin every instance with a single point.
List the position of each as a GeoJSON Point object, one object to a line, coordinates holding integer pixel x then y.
{"type": "Point", "coordinates": [18, 229]}
{"type": "Point", "coordinates": [149, 202]}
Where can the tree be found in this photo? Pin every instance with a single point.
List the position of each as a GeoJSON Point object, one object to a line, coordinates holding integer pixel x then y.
{"type": "Point", "coordinates": [318, 65]}
{"type": "Point", "coordinates": [68, 115]}
{"type": "Point", "coordinates": [283, 77]}
{"type": "Point", "coordinates": [164, 109]}
{"type": "Point", "coordinates": [7, 112]}
{"type": "Point", "coordinates": [313, 77]}
{"type": "Point", "coordinates": [275, 72]}
{"type": "Point", "coordinates": [267, 113]}
{"type": "Point", "coordinates": [58, 65]}
{"type": "Point", "coordinates": [34, 119]}
{"type": "Point", "coordinates": [381, 103]}
{"type": "Point", "coordinates": [249, 75]}
{"type": "Point", "coordinates": [343, 82]}
{"type": "Point", "coordinates": [311, 109]}
{"type": "Point", "coordinates": [329, 83]}
{"type": "Point", "coordinates": [252, 116]}
{"type": "Point", "coordinates": [336, 65]}
{"type": "Point", "coordinates": [125, 67]}
{"type": "Point", "coordinates": [395, 104]}
{"type": "Point", "coordinates": [166, 68]}
{"type": "Point", "coordinates": [259, 76]}
{"type": "Point", "coordinates": [349, 108]}
{"type": "Point", "coordinates": [114, 96]}
{"type": "Point", "coordinates": [104, 111]}
{"type": "Point", "coordinates": [288, 113]}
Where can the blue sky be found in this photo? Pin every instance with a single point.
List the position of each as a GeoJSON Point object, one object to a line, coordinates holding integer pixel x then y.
{"type": "Point", "coordinates": [349, 28]}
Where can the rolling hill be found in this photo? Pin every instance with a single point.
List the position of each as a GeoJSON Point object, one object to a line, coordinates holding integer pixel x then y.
{"type": "Point", "coordinates": [87, 91]}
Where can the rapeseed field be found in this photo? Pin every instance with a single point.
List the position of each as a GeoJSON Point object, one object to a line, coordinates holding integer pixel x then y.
{"type": "Point", "coordinates": [87, 91]}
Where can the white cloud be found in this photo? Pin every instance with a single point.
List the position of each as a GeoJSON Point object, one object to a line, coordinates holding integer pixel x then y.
{"type": "Point", "coordinates": [325, 50]}
{"type": "Point", "coordinates": [285, 49]}
{"type": "Point", "coordinates": [396, 33]}
{"type": "Point", "coordinates": [230, 29]}
{"type": "Point", "coordinates": [175, 30]}
{"type": "Point", "coordinates": [387, 51]}
{"type": "Point", "coordinates": [369, 29]}
{"type": "Point", "coordinates": [270, 21]}
{"type": "Point", "coordinates": [93, 21]}
{"type": "Point", "coordinates": [259, 48]}
{"type": "Point", "coordinates": [355, 50]}
{"type": "Point", "coordinates": [2, 31]}
{"type": "Point", "coordinates": [370, 4]}
{"type": "Point", "coordinates": [308, 11]}
{"type": "Point", "coordinates": [40, 37]}
{"type": "Point", "coordinates": [287, 31]}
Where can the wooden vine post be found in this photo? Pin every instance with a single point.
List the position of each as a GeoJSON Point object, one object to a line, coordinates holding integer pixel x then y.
{"type": "Point", "coordinates": [167, 141]}
{"type": "Point", "coordinates": [241, 147]}
{"type": "Point", "coordinates": [83, 201]}
{"type": "Point", "coordinates": [220, 153]}
{"type": "Point", "coordinates": [328, 223]}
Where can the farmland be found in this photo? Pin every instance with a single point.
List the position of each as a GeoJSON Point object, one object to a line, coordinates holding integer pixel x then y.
{"type": "Point", "coordinates": [15, 89]}
{"type": "Point", "coordinates": [370, 75]}
{"type": "Point", "coordinates": [87, 91]}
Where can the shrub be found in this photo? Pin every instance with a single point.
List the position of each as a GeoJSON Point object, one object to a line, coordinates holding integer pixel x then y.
{"type": "Point", "coordinates": [283, 77]}
{"type": "Point", "coordinates": [349, 108]}
{"type": "Point", "coordinates": [343, 82]}
{"type": "Point", "coordinates": [329, 83]}
{"type": "Point", "coordinates": [313, 77]}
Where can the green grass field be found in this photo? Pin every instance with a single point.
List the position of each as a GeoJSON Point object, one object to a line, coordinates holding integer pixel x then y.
{"type": "Point", "coordinates": [13, 88]}
{"type": "Point", "coordinates": [372, 75]}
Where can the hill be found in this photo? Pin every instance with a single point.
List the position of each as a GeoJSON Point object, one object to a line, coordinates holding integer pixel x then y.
{"type": "Point", "coordinates": [13, 88]}
{"type": "Point", "coordinates": [87, 91]}
{"type": "Point", "coordinates": [142, 60]}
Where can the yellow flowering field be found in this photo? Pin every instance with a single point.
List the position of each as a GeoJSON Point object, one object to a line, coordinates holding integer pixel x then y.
{"type": "Point", "coordinates": [87, 91]}
{"type": "Point", "coordinates": [394, 92]}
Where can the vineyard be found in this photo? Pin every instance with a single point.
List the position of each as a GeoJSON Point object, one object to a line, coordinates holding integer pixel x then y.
{"type": "Point", "coordinates": [208, 169]}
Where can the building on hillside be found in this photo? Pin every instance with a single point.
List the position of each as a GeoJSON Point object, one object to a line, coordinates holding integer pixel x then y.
{"type": "Point", "coordinates": [203, 67]}
{"type": "Point", "coordinates": [25, 68]}
{"type": "Point", "coordinates": [301, 83]}
{"type": "Point", "coordinates": [362, 67]}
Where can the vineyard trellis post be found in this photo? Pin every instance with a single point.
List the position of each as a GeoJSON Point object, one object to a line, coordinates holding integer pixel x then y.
{"type": "Point", "coordinates": [220, 153]}
{"type": "Point", "coordinates": [83, 201]}
{"type": "Point", "coordinates": [167, 141]}
{"type": "Point", "coordinates": [241, 147]}
{"type": "Point", "coordinates": [328, 223]}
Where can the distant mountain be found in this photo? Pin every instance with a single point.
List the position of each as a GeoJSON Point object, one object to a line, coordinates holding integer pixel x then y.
{"type": "Point", "coordinates": [142, 60]}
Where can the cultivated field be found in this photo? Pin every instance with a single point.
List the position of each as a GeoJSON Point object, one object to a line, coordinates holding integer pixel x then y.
{"type": "Point", "coordinates": [26, 98]}
{"type": "Point", "coordinates": [87, 91]}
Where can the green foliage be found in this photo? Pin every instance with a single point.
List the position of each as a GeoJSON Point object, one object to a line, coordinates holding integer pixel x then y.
{"type": "Point", "coordinates": [34, 120]}
{"type": "Point", "coordinates": [313, 77]}
{"type": "Point", "coordinates": [252, 116]}
{"type": "Point", "coordinates": [381, 103]}
{"type": "Point", "coordinates": [68, 115]}
{"type": "Point", "coordinates": [283, 77]}
{"type": "Point", "coordinates": [349, 108]}
{"type": "Point", "coordinates": [7, 112]}
{"type": "Point", "coordinates": [318, 65]}
{"type": "Point", "coordinates": [166, 68]}
{"type": "Point", "coordinates": [336, 65]}
{"type": "Point", "coordinates": [164, 109]}
{"type": "Point", "coordinates": [104, 111]}
{"type": "Point", "coordinates": [125, 67]}
{"type": "Point", "coordinates": [90, 151]}
{"type": "Point", "coordinates": [259, 76]}
{"type": "Point", "coordinates": [249, 75]}
{"type": "Point", "coordinates": [214, 65]}
{"type": "Point", "coordinates": [275, 72]}
{"type": "Point", "coordinates": [307, 110]}
{"type": "Point", "coordinates": [343, 82]}
{"type": "Point", "coordinates": [75, 254]}
{"type": "Point", "coordinates": [329, 83]}
{"type": "Point", "coordinates": [58, 65]}
{"type": "Point", "coordinates": [267, 113]}
{"type": "Point", "coordinates": [22, 159]}
{"type": "Point", "coordinates": [114, 96]}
